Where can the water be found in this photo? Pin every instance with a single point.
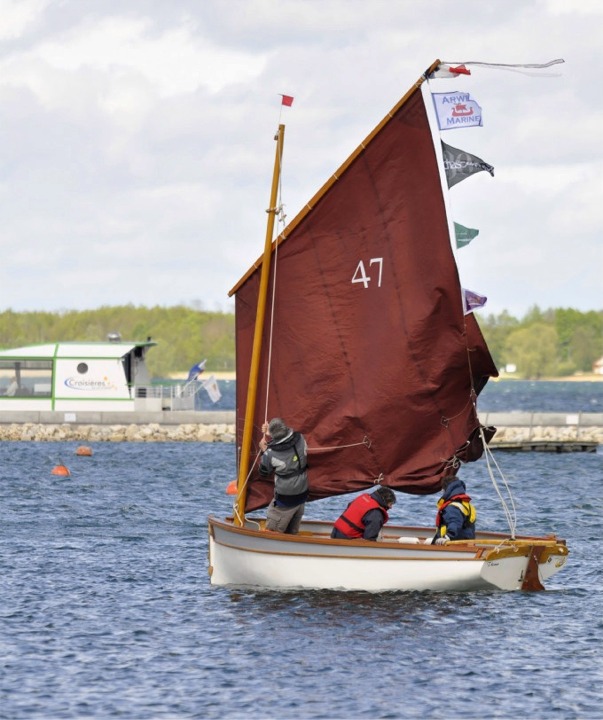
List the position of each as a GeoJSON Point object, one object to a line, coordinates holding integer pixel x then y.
{"type": "Point", "coordinates": [106, 609]}
{"type": "Point", "coordinates": [542, 396]}
{"type": "Point", "coordinates": [498, 396]}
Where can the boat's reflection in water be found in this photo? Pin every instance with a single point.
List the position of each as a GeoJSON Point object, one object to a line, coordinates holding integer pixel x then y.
{"type": "Point", "coordinates": [396, 606]}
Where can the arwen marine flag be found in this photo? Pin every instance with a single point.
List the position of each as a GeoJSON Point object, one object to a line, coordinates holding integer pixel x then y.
{"type": "Point", "coordinates": [460, 164]}
{"type": "Point", "coordinates": [456, 109]}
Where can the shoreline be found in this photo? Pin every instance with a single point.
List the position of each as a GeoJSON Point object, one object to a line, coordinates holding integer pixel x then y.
{"type": "Point", "coordinates": [150, 432]}
{"type": "Point", "coordinates": [513, 432]}
{"type": "Point", "coordinates": [586, 377]}
{"type": "Point", "coordinates": [590, 377]}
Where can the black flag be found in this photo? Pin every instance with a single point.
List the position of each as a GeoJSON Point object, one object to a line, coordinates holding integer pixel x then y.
{"type": "Point", "coordinates": [460, 164]}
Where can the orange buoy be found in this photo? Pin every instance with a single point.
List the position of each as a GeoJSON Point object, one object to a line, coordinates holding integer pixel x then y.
{"type": "Point", "coordinates": [231, 488]}
{"type": "Point", "coordinates": [60, 470]}
{"type": "Point", "coordinates": [84, 451]}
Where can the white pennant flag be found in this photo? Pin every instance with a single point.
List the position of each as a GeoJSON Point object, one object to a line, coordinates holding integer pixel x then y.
{"type": "Point", "coordinates": [211, 386]}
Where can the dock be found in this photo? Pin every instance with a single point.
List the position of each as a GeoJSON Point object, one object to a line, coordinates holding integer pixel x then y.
{"type": "Point", "coordinates": [560, 446]}
{"type": "Point", "coordinates": [545, 432]}
{"type": "Point", "coordinates": [516, 431]}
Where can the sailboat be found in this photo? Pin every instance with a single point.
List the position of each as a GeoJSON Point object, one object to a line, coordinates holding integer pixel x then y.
{"type": "Point", "coordinates": [351, 326]}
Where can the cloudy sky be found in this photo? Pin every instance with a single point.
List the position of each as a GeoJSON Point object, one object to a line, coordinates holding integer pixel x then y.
{"type": "Point", "coordinates": [136, 142]}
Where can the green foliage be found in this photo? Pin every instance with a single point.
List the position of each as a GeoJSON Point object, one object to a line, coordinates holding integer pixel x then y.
{"type": "Point", "coordinates": [542, 343]}
{"type": "Point", "coordinates": [496, 330]}
{"type": "Point", "coordinates": [545, 343]}
{"type": "Point", "coordinates": [534, 350]}
{"type": "Point", "coordinates": [184, 336]}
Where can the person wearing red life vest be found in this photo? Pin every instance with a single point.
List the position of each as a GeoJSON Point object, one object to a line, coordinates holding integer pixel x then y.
{"type": "Point", "coordinates": [455, 519]}
{"type": "Point", "coordinates": [364, 516]}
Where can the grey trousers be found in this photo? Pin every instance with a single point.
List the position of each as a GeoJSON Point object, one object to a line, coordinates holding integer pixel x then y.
{"type": "Point", "coordinates": [284, 519]}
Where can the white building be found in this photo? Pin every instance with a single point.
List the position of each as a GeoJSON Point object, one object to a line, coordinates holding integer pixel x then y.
{"type": "Point", "coordinates": [71, 376]}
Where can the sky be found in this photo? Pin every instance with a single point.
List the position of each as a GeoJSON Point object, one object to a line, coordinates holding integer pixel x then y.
{"type": "Point", "coordinates": [137, 139]}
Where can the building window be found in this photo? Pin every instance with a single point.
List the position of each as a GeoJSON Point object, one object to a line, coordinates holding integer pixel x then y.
{"type": "Point", "coordinates": [20, 377]}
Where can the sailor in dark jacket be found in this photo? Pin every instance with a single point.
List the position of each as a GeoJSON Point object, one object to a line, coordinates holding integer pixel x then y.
{"type": "Point", "coordinates": [455, 519]}
{"type": "Point", "coordinates": [364, 516]}
{"type": "Point", "coordinates": [286, 455]}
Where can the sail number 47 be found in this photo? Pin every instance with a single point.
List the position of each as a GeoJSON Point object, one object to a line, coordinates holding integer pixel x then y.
{"type": "Point", "coordinates": [361, 275]}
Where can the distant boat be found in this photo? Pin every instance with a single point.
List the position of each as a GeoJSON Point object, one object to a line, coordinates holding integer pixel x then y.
{"type": "Point", "coordinates": [367, 351]}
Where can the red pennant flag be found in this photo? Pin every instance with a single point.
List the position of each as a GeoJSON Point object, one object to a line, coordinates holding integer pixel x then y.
{"type": "Point", "coordinates": [460, 70]}
{"type": "Point", "coordinates": [287, 100]}
{"type": "Point", "coordinates": [445, 70]}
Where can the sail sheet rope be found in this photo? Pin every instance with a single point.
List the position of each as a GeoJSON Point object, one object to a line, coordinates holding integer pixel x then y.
{"type": "Point", "coordinates": [235, 506]}
{"type": "Point", "coordinates": [508, 508]}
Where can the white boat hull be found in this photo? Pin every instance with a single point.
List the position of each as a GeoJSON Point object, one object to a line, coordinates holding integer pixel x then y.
{"type": "Point", "coordinates": [250, 556]}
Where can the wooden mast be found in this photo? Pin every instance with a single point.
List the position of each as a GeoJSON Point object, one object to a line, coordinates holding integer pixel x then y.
{"type": "Point", "coordinates": [257, 335]}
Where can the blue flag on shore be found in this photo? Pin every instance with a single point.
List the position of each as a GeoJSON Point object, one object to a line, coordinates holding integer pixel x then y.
{"type": "Point", "coordinates": [195, 371]}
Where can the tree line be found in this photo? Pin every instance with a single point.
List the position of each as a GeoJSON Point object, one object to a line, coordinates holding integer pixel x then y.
{"type": "Point", "coordinates": [184, 336]}
{"type": "Point", "coordinates": [543, 343]}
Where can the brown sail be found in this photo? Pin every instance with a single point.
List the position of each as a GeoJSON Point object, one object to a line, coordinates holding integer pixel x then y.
{"type": "Point", "coordinates": [366, 349]}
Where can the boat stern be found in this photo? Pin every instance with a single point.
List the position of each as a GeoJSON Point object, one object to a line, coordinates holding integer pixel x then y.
{"type": "Point", "coordinates": [524, 564]}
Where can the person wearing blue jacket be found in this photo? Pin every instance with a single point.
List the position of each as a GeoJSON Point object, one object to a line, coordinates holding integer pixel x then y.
{"type": "Point", "coordinates": [455, 519]}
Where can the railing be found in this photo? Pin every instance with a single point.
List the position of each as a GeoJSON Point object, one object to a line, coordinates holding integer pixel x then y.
{"type": "Point", "coordinates": [165, 397]}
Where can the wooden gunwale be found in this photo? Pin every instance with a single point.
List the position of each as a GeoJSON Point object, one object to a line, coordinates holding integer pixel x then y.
{"type": "Point", "coordinates": [371, 558]}
{"type": "Point", "coordinates": [482, 549]}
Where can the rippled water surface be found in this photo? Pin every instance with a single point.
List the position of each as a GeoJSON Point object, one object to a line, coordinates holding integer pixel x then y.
{"type": "Point", "coordinates": [542, 396]}
{"type": "Point", "coordinates": [106, 609]}
{"type": "Point", "coordinates": [498, 396]}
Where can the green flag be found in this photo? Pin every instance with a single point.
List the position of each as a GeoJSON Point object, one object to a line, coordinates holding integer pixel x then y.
{"type": "Point", "coordinates": [464, 235]}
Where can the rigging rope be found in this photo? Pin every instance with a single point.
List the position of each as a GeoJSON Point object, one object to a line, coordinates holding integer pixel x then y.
{"type": "Point", "coordinates": [280, 219]}
{"type": "Point", "coordinates": [235, 506]}
{"type": "Point", "coordinates": [271, 330]}
{"type": "Point", "coordinates": [365, 441]}
{"type": "Point", "coordinates": [510, 512]}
